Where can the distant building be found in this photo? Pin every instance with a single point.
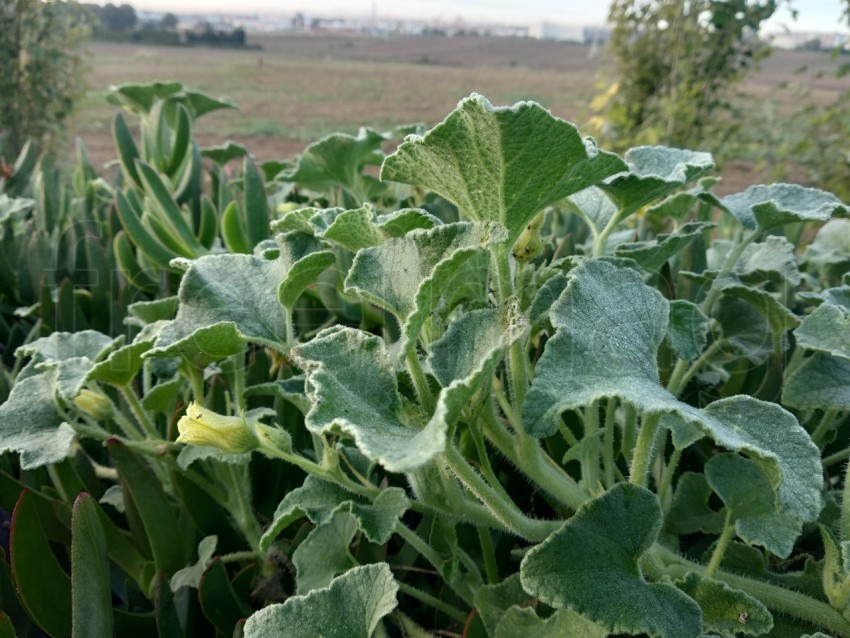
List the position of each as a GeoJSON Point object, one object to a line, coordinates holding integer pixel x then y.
{"type": "Point", "coordinates": [556, 31]}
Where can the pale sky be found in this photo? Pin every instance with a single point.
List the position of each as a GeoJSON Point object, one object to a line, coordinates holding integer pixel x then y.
{"type": "Point", "coordinates": [814, 15]}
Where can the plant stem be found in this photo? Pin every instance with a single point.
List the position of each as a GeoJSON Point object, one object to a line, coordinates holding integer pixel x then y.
{"type": "Point", "coordinates": [682, 373]}
{"type": "Point", "coordinates": [844, 521]}
{"type": "Point", "coordinates": [240, 499]}
{"type": "Point", "coordinates": [420, 381]}
{"type": "Point", "coordinates": [645, 448]}
{"type": "Point", "coordinates": [824, 426]}
{"type": "Point", "coordinates": [505, 511]}
{"type": "Point", "coordinates": [715, 292]}
{"type": "Point", "coordinates": [608, 462]}
{"type": "Point", "coordinates": [838, 457]}
{"type": "Point", "coordinates": [490, 565]}
{"type": "Point", "coordinates": [667, 476]}
{"type": "Point", "coordinates": [427, 552]}
{"type": "Point", "coordinates": [590, 461]}
{"type": "Point", "coordinates": [436, 603]}
{"type": "Point", "coordinates": [722, 545]}
{"type": "Point", "coordinates": [601, 242]}
{"type": "Point", "coordinates": [238, 390]}
{"type": "Point", "coordinates": [139, 412]}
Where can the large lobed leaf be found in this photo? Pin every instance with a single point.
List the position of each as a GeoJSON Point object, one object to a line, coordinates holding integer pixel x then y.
{"type": "Point", "coordinates": [501, 164]}
{"type": "Point", "coordinates": [590, 565]}
{"type": "Point", "coordinates": [350, 607]}
{"type": "Point", "coordinates": [609, 326]}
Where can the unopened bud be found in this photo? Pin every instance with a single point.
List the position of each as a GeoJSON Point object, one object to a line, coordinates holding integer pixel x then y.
{"type": "Point", "coordinates": [94, 404]}
{"type": "Point", "coordinates": [530, 243]}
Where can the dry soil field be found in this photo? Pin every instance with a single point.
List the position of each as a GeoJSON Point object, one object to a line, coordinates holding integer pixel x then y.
{"type": "Point", "coordinates": [297, 88]}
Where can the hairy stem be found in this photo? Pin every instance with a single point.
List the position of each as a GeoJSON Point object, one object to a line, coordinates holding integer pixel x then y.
{"type": "Point", "coordinates": [645, 449]}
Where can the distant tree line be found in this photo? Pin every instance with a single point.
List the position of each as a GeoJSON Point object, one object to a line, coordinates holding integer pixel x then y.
{"type": "Point", "coordinates": [120, 23]}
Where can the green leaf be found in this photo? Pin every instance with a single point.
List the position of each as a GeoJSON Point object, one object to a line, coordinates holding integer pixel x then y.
{"type": "Point", "coordinates": [501, 164]}
{"type": "Point", "coordinates": [523, 621]}
{"type": "Point", "coordinates": [652, 173]}
{"type": "Point", "coordinates": [91, 588]}
{"type": "Point", "coordinates": [390, 275]}
{"type": "Point", "coordinates": [255, 207]}
{"type": "Point", "coordinates": [224, 153]}
{"type": "Point", "coordinates": [61, 346]}
{"type": "Point", "coordinates": [492, 601]}
{"type": "Point", "coordinates": [748, 495]}
{"type": "Point", "coordinates": [319, 501]}
{"type": "Point", "coordinates": [191, 576]}
{"type": "Point", "coordinates": [236, 296]}
{"type": "Point", "coordinates": [362, 227]}
{"type": "Point", "coordinates": [726, 610]}
{"type": "Point", "coordinates": [820, 382]}
{"type": "Point", "coordinates": [338, 160]}
{"type": "Point", "coordinates": [142, 488]}
{"type": "Point", "coordinates": [688, 329]}
{"type": "Point", "coordinates": [773, 259]}
{"type": "Point", "coordinates": [826, 330]}
{"type": "Point", "coordinates": [7, 630]}
{"type": "Point", "coordinates": [830, 249]}
{"type": "Point", "coordinates": [654, 253]}
{"type": "Point", "coordinates": [122, 365]}
{"type": "Point", "coordinates": [593, 206]}
{"type": "Point", "coordinates": [350, 607]}
{"type": "Point", "coordinates": [305, 260]}
{"type": "Point", "coordinates": [590, 565]}
{"type": "Point", "coordinates": [30, 424]}
{"type": "Point", "coordinates": [221, 604]}
{"type": "Point", "coordinates": [766, 207]}
{"type": "Point", "coordinates": [324, 553]}
{"type": "Point", "coordinates": [42, 585]}
{"type": "Point", "coordinates": [690, 512]}
{"type": "Point", "coordinates": [128, 152]}
{"type": "Point", "coordinates": [144, 240]}
{"type": "Point", "coordinates": [167, 211]}
{"type": "Point", "coordinates": [590, 359]}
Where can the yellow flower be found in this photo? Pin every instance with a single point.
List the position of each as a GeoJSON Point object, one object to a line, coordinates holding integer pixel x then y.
{"type": "Point", "coordinates": [200, 426]}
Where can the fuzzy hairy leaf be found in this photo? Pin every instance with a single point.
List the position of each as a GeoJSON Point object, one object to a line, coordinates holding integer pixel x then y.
{"type": "Point", "coordinates": [590, 566]}
{"type": "Point", "coordinates": [766, 207]}
{"type": "Point", "coordinates": [350, 607]}
{"type": "Point", "coordinates": [324, 553]}
{"type": "Point", "coordinates": [653, 172]}
{"type": "Point", "coordinates": [690, 512]}
{"type": "Point", "coordinates": [501, 164]}
{"type": "Point", "coordinates": [362, 227]}
{"type": "Point", "coordinates": [821, 382]}
{"type": "Point", "coordinates": [521, 621]}
{"type": "Point", "coordinates": [826, 330]}
{"type": "Point", "coordinates": [319, 500]}
{"type": "Point", "coordinates": [748, 496]}
{"type": "Point", "coordinates": [609, 327]}
{"type": "Point", "coordinates": [771, 259]}
{"type": "Point", "coordinates": [654, 253]}
{"type": "Point", "coordinates": [688, 329]}
{"type": "Point", "coordinates": [726, 610]}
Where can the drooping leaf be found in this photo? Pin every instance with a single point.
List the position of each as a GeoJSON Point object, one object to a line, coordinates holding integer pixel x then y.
{"type": "Point", "coordinates": [594, 206]}
{"type": "Point", "coordinates": [652, 173]}
{"type": "Point", "coordinates": [62, 346]}
{"type": "Point", "coordinates": [826, 330]}
{"type": "Point", "coordinates": [122, 365]}
{"type": "Point", "coordinates": [821, 382]}
{"type": "Point", "coordinates": [319, 500]}
{"type": "Point", "coordinates": [726, 610]}
{"type": "Point", "coordinates": [501, 164]}
{"type": "Point", "coordinates": [609, 325]}
{"type": "Point", "coordinates": [523, 621]}
{"type": "Point", "coordinates": [224, 153]}
{"type": "Point", "coordinates": [654, 253]}
{"type": "Point", "coordinates": [829, 252]}
{"type": "Point", "coordinates": [772, 259]}
{"type": "Point", "coordinates": [324, 553]}
{"type": "Point", "coordinates": [350, 607]}
{"type": "Point", "coordinates": [338, 160]}
{"type": "Point", "coordinates": [305, 259]}
{"type": "Point", "coordinates": [690, 512]}
{"type": "Point", "coordinates": [748, 496]}
{"type": "Point", "coordinates": [191, 576]}
{"type": "Point", "coordinates": [390, 275]}
{"type": "Point", "coordinates": [688, 329]}
{"type": "Point", "coordinates": [91, 587]}
{"type": "Point", "coordinates": [767, 207]}
{"type": "Point", "coordinates": [31, 425]}
{"type": "Point", "coordinates": [590, 566]}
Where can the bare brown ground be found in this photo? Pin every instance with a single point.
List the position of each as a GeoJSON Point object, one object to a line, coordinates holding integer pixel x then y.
{"type": "Point", "coordinates": [298, 88]}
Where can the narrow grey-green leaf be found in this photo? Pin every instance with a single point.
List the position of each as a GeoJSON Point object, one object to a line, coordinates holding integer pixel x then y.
{"type": "Point", "coordinates": [609, 327]}
{"type": "Point", "coordinates": [501, 164]}
{"type": "Point", "coordinates": [688, 329]}
{"type": "Point", "coordinates": [748, 495]}
{"type": "Point", "coordinates": [30, 424]}
{"type": "Point", "coordinates": [523, 621]}
{"type": "Point", "coordinates": [767, 207]}
{"type": "Point", "coordinates": [654, 253]}
{"type": "Point", "coordinates": [726, 610]}
{"type": "Point", "coordinates": [653, 172]}
{"type": "Point", "coordinates": [324, 553]}
{"type": "Point", "coordinates": [821, 382]}
{"type": "Point", "coordinates": [91, 588]}
{"type": "Point", "coordinates": [318, 500]}
{"type": "Point", "coordinates": [350, 607]}
{"type": "Point", "coordinates": [826, 330]}
{"type": "Point", "coordinates": [390, 275]}
{"type": "Point", "coordinates": [590, 566]}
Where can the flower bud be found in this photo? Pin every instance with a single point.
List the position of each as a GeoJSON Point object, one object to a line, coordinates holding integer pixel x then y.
{"type": "Point", "coordinates": [200, 426]}
{"type": "Point", "coordinates": [530, 243]}
{"type": "Point", "coordinates": [94, 404]}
